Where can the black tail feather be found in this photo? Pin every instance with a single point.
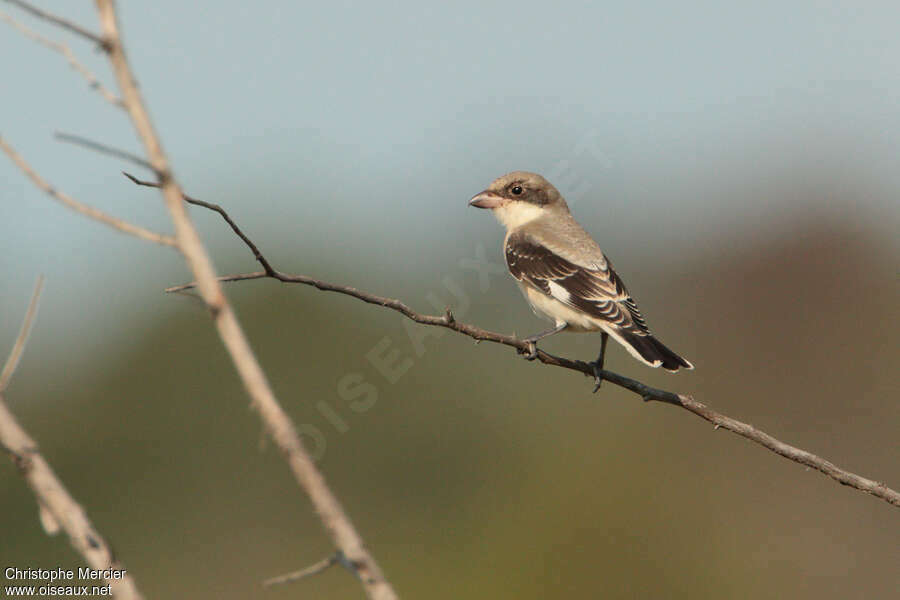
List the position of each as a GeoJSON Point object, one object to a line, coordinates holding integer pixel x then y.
{"type": "Point", "coordinates": [652, 350]}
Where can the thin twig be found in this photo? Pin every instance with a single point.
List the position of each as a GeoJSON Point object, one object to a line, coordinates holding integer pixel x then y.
{"type": "Point", "coordinates": [313, 569]}
{"type": "Point", "coordinates": [93, 82]}
{"type": "Point", "coordinates": [90, 211]}
{"type": "Point", "coordinates": [184, 287]}
{"type": "Point", "coordinates": [56, 507]}
{"type": "Point", "coordinates": [269, 271]}
{"type": "Point", "coordinates": [646, 392]}
{"type": "Point", "coordinates": [13, 361]}
{"type": "Point", "coordinates": [60, 21]}
{"type": "Point", "coordinates": [280, 427]}
{"type": "Point", "coordinates": [101, 148]}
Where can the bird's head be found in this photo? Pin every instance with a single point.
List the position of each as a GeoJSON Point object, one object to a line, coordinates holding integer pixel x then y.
{"type": "Point", "coordinates": [520, 197]}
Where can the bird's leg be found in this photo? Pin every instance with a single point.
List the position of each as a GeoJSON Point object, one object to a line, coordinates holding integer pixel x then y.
{"type": "Point", "coordinates": [598, 364]}
{"type": "Point", "coordinates": [532, 340]}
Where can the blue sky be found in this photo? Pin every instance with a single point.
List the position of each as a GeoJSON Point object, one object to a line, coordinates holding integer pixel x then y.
{"type": "Point", "coordinates": [344, 133]}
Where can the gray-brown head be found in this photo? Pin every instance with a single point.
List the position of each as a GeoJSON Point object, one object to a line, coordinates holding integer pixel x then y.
{"type": "Point", "coordinates": [519, 197]}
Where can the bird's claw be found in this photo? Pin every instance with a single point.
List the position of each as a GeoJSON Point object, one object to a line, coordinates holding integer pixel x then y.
{"type": "Point", "coordinates": [531, 353]}
{"type": "Point", "coordinates": [598, 378]}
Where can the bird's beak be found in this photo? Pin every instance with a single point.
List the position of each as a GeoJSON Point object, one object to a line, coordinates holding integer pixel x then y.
{"type": "Point", "coordinates": [486, 199]}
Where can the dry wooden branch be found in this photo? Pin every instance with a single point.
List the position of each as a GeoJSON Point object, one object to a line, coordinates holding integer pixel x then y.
{"type": "Point", "coordinates": [24, 331]}
{"type": "Point", "coordinates": [313, 569]}
{"type": "Point", "coordinates": [646, 392]}
{"type": "Point", "coordinates": [277, 422]}
{"type": "Point", "coordinates": [93, 82]}
{"type": "Point", "coordinates": [59, 21]}
{"type": "Point", "coordinates": [90, 211]}
{"type": "Point", "coordinates": [56, 506]}
{"type": "Point", "coordinates": [101, 148]}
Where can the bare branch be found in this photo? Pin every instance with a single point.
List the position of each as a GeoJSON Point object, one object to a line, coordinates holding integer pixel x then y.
{"type": "Point", "coordinates": [59, 21]}
{"type": "Point", "coordinates": [56, 507]}
{"type": "Point", "coordinates": [277, 422]}
{"type": "Point", "coordinates": [176, 289]}
{"type": "Point", "coordinates": [93, 82]}
{"type": "Point", "coordinates": [90, 211]}
{"type": "Point", "coordinates": [269, 271]}
{"type": "Point", "coordinates": [646, 392]}
{"type": "Point", "coordinates": [101, 148]}
{"type": "Point", "coordinates": [313, 569]}
{"type": "Point", "coordinates": [13, 361]}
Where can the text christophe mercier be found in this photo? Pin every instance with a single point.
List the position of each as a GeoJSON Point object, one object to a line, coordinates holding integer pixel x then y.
{"type": "Point", "coordinates": [61, 575]}
{"type": "Point", "coordinates": [52, 575]}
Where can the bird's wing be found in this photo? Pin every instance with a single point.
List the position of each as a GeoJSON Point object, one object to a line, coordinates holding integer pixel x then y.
{"type": "Point", "coordinates": [597, 291]}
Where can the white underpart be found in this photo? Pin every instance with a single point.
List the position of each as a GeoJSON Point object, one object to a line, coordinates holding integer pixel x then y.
{"type": "Point", "coordinates": [514, 214]}
{"type": "Point", "coordinates": [552, 308]}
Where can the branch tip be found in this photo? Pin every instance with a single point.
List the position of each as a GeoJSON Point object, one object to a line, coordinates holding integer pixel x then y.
{"type": "Point", "coordinates": [314, 569]}
{"type": "Point", "coordinates": [102, 148]}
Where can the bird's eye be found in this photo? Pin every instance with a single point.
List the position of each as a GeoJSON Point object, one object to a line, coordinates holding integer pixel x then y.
{"type": "Point", "coordinates": [516, 190]}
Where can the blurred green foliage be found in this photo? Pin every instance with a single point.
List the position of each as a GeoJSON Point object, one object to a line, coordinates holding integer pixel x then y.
{"type": "Point", "coordinates": [478, 475]}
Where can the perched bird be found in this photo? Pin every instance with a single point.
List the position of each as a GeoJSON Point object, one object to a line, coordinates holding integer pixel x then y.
{"type": "Point", "coordinates": [563, 273]}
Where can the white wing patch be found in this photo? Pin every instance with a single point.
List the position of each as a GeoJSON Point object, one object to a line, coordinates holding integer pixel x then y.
{"type": "Point", "coordinates": [559, 292]}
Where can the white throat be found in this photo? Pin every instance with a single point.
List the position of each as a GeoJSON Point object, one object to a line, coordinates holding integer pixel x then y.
{"type": "Point", "coordinates": [515, 214]}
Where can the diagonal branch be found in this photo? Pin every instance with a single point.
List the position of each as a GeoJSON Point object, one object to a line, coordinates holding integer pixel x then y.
{"type": "Point", "coordinates": [646, 392]}
{"type": "Point", "coordinates": [313, 569]}
{"type": "Point", "coordinates": [78, 140]}
{"type": "Point", "coordinates": [59, 21]}
{"type": "Point", "coordinates": [90, 211]}
{"type": "Point", "coordinates": [56, 507]}
{"type": "Point", "coordinates": [93, 82]}
{"type": "Point", "coordinates": [277, 422]}
{"type": "Point", "coordinates": [19, 346]}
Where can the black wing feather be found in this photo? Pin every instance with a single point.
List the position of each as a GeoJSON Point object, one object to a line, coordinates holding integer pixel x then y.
{"type": "Point", "coordinates": [598, 292]}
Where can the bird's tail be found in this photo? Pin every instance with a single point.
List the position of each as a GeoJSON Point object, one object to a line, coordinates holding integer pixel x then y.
{"type": "Point", "coordinates": [653, 352]}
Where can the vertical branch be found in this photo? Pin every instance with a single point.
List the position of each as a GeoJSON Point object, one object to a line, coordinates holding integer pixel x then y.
{"type": "Point", "coordinates": [276, 420]}
{"type": "Point", "coordinates": [57, 507]}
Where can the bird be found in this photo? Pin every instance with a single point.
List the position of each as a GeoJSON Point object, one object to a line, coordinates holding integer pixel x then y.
{"type": "Point", "coordinates": [563, 273]}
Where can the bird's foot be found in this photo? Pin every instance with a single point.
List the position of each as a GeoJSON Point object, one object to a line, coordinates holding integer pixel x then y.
{"type": "Point", "coordinates": [598, 377]}
{"type": "Point", "coordinates": [531, 353]}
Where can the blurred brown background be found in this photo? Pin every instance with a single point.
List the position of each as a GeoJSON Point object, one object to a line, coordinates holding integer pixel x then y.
{"type": "Point", "coordinates": [748, 201]}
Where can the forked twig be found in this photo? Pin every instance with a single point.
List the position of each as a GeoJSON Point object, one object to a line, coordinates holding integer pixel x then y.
{"type": "Point", "coordinates": [67, 53]}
